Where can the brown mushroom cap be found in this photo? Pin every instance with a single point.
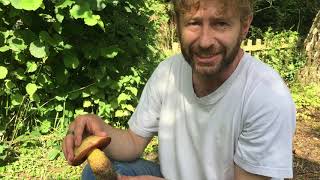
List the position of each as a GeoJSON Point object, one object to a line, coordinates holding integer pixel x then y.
{"type": "Point", "coordinates": [89, 144]}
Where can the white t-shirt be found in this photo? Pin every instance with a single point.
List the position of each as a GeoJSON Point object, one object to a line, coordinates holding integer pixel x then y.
{"type": "Point", "coordinates": [249, 120]}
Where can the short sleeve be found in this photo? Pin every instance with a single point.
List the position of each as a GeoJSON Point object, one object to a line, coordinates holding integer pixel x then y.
{"type": "Point", "coordinates": [265, 143]}
{"type": "Point", "coordinates": [145, 119]}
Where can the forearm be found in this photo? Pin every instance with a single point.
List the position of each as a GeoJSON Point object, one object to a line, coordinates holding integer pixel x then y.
{"type": "Point", "coordinates": [125, 145]}
{"type": "Point", "coordinates": [241, 174]}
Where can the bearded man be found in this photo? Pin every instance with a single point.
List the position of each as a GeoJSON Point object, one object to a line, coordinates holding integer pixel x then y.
{"type": "Point", "coordinates": [219, 113]}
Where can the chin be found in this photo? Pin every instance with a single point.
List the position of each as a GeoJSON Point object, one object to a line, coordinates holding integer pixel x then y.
{"type": "Point", "coordinates": [207, 70]}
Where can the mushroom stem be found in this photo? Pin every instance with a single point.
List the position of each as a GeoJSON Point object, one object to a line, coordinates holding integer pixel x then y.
{"type": "Point", "coordinates": [101, 165]}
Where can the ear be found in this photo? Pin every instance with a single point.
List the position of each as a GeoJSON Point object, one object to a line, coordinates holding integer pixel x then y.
{"type": "Point", "coordinates": [246, 25]}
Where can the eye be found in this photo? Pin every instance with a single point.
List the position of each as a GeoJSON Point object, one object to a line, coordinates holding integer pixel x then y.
{"type": "Point", "coordinates": [222, 24]}
{"type": "Point", "coordinates": [193, 23]}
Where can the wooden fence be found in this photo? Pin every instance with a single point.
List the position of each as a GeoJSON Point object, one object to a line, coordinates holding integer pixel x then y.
{"type": "Point", "coordinates": [252, 46]}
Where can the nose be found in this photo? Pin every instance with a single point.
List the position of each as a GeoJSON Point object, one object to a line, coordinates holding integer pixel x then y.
{"type": "Point", "coordinates": [206, 39]}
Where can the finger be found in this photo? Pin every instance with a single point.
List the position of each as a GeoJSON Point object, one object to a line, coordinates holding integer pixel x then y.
{"type": "Point", "coordinates": [69, 146]}
{"type": "Point", "coordinates": [64, 149]}
{"type": "Point", "coordinates": [78, 131]}
{"type": "Point", "coordinates": [97, 128]}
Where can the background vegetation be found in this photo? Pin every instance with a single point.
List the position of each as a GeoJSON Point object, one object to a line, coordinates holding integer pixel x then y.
{"type": "Point", "coordinates": [62, 58]}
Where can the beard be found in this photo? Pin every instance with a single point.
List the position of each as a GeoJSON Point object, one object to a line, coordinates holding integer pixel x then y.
{"type": "Point", "coordinates": [226, 57]}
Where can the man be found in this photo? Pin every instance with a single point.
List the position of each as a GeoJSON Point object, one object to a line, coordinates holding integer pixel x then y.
{"type": "Point", "coordinates": [219, 113]}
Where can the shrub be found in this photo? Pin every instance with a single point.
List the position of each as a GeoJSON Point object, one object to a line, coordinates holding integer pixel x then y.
{"type": "Point", "coordinates": [287, 61]}
{"type": "Point", "coordinates": [62, 58]}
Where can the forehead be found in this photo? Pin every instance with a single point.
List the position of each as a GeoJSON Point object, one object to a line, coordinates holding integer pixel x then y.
{"type": "Point", "coordinates": [217, 8]}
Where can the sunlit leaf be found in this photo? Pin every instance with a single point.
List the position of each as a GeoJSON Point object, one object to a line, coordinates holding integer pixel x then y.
{"type": "Point", "coordinates": [26, 4]}
{"type": "Point", "coordinates": [3, 72]}
{"type": "Point", "coordinates": [86, 103]}
{"type": "Point", "coordinates": [92, 20]}
{"type": "Point", "coordinates": [133, 90]}
{"type": "Point", "coordinates": [53, 154]}
{"type": "Point", "coordinates": [5, 2]}
{"type": "Point", "coordinates": [122, 113]}
{"type": "Point", "coordinates": [31, 66]}
{"type": "Point", "coordinates": [45, 127]}
{"type": "Point", "coordinates": [17, 44]}
{"type": "Point", "coordinates": [31, 88]}
{"type": "Point", "coordinates": [64, 4]}
{"type": "Point", "coordinates": [59, 108]}
{"type": "Point", "coordinates": [123, 97]}
{"type": "Point", "coordinates": [39, 49]}
{"type": "Point", "coordinates": [80, 11]}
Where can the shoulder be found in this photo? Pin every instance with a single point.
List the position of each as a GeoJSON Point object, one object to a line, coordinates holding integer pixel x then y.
{"type": "Point", "coordinates": [266, 92]}
{"type": "Point", "coordinates": [168, 67]}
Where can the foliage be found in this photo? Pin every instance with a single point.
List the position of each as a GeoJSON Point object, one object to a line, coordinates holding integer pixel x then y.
{"type": "Point", "coordinates": [62, 58]}
{"type": "Point", "coordinates": [306, 96]}
{"type": "Point", "coordinates": [307, 100]}
{"type": "Point", "coordinates": [287, 61]}
{"type": "Point", "coordinates": [286, 14]}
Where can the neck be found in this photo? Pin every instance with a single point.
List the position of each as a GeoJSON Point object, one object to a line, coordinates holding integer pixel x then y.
{"type": "Point", "coordinates": [203, 85]}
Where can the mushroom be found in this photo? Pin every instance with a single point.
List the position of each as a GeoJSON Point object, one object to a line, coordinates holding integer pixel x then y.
{"type": "Point", "coordinates": [91, 149]}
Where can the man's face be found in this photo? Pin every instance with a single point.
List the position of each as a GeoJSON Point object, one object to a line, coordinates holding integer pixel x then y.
{"type": "Point", "coordinates": [210, 36]}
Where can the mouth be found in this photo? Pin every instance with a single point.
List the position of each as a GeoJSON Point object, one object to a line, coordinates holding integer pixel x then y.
{"type": "Point", "coordinates": [205, 60]}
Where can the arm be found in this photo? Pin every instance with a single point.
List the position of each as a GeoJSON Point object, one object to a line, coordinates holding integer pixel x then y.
{"type": "Point", "coordinates": [125, 145]}
{"type": "Point", "coordinates": [240, 174]}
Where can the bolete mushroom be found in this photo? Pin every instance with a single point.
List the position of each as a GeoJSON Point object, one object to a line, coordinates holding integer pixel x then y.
{"type": "Point", "coordinates": [91, 149]}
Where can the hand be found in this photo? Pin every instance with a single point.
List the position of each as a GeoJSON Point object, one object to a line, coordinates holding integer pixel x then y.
{"type": "Point", "coordinates": [139, 178]}
{"type": "Point", "coordinates": [81, 127]}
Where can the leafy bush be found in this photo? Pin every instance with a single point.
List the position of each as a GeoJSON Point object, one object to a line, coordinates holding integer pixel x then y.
{"type": "Point", "coordinates": [287, 61]}
{"type": "Point", "coordinates": [62, 58]}
{"type": "Point", "coordinates": [306, 96]}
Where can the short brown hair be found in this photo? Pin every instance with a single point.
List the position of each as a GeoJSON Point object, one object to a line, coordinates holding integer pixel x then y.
{"type": "Point", "coordinates": [245, 6]}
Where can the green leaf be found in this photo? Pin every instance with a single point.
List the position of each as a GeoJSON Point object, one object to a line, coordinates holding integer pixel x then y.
{"type": "Point", "coordinates": [64, 4]}
{"type": "Point", "coordinates": [70, 60]}
{"type": "Point", "coordinates": [129, 107]}
{"type": "Point", "coordinates": [3, 72]}
{"type": "Point", "coordinates": [59, 108]}
{"type": "Point", "coordinates": [31, 66]}
{"type": "Point", "coordinates": [110, 52]}
{"type": "Point", "coordinates": [19, 74]}
{"type": "Point", "coordinates": [45, 127]}
{"type": "Point", "coordinates": [59, 17]}
{"type": "Point", "coordinates": [4, 48]}
{"type": "Point", "coordinates": [80, 11]}
{"type": "Point", "coordinates": [31, 88]}
{"type": "Point", "coordinates": [45, 37]}
{"type": "Point", "coordinates": [5, 2]}
{"type": "Point", "coordinates": [17, 44]}
{"type": "Point", "coordinates": [96, 5]}
{"type": "Point", "coordinates": [26, 4]}
{"type": "Point", "coordinates": [122, 113]}
{"type": "Point", "coordinates": [123, 97]}
{"type": "Point", "coordinates": [9, 84]}
{"type": "Point", "coordinates": [92, 20]}
{"type": "Point", "coordinates": [133, 90]}
{"type": "Point", "coordinates": [87, 103]}
{"type": "Point", "coordinates": [127, 9]}
{"type": "Point", "coordinates": [16, 99]}
{"type": "Point", "coordinates": [53, 154]}
{"type": "Point", "coordinates": [39, 49]}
